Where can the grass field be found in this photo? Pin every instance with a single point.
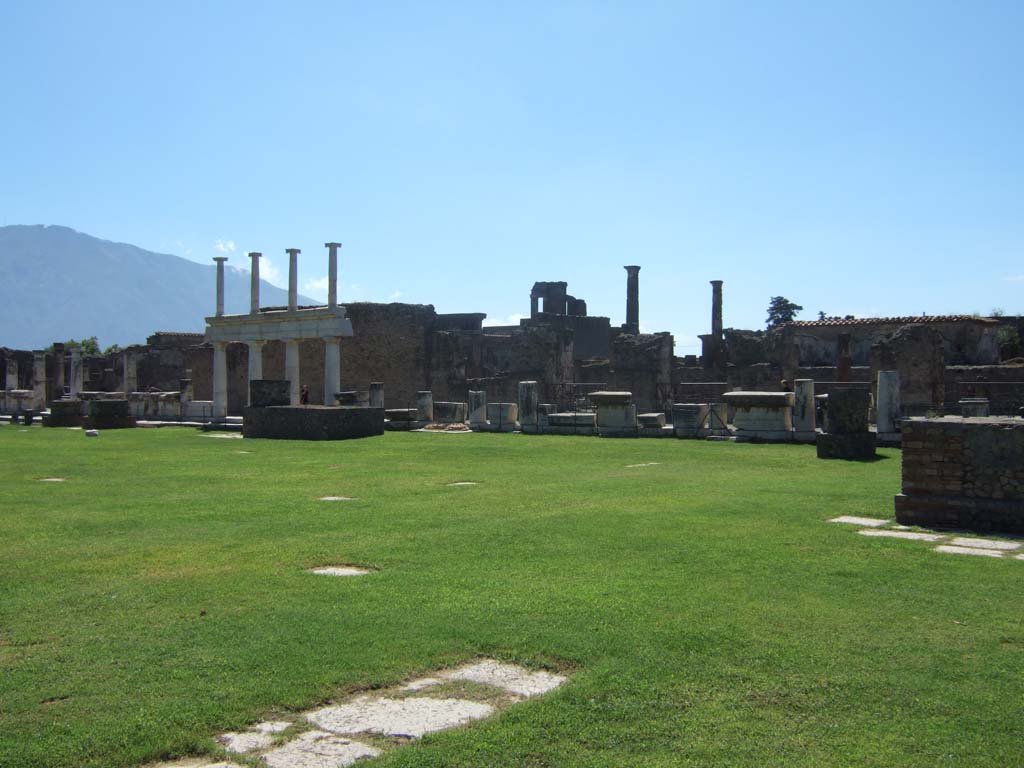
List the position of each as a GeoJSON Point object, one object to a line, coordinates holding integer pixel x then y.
{"type": "Point", "coordinates": [706, 613]}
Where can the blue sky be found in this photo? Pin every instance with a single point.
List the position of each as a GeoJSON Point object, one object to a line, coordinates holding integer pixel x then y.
{"type": "Point", "coordinates": [863, 158]}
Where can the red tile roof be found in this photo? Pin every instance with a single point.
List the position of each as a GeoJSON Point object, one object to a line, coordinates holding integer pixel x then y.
{"type": "Point", "coordinates": [891, 321]}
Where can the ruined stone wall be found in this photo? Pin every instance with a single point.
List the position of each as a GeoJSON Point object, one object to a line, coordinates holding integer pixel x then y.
{"type": "Point", "coordinates": [642, 364]}
{"type": "Point", "coordinates": [916, 352]}
{"type": "Point", "coordinates": [538, 353]}
{"type": "Point", "coordinates": [1003, 385]}
{"type": "Point", "coordinates": [963, 473]}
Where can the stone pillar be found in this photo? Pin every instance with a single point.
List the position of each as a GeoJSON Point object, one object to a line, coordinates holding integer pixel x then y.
{"type": "Point", "coordinates": [804, 422]}
{"type": "Point", "coordinates": [12, 373]}
{"type": "Point", "coordinates": [130, 382]}
{"type": "Point", "coordinates": [332, 368]}
{"type": "Point", "coordinates": [332, 276]}
{"type": "Point", "coordinates": [220, 380]}
{"type": "Point", "coordinates": [425, 406]}
{"type": "Point", "coordinates": [293, 278]}
{"type": "Point", "coordinates": [376, 394]}
{"type": "Point", "coordinates": [477, 407]}
{"type": "Point", "coordinates": [254, 282]}
{"type": "Point", "coordinates": [76, 371]}
{"type": "Point", "coordinates": [528, 406]}
{"type": "Point", "coordinates": [58, 371]}
{"type": "Point", "coordinates": [220, 283]}
{"type": "Point", "coordinates": [291, 370]}
{"type": "Point", "coordinates": [38, 380]}
{"type": "Point", "coordinates": [185, 394]}
{"type": "Point", "coordinates": [887, 401]}
{"type": "Point", "coordinates": [716, 309]}
{"type": "Point", "coordinates": [255, 362]}
{"type": "Point", "coordinates": [632, 299]}
{"type": "Point", "coordinates": [844, 362]}
{"type": "Point", "coordinates": [534, 305]}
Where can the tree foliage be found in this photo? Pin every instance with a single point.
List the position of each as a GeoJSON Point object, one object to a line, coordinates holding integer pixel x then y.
{"type": "Point", "coordinates": [781, 310]}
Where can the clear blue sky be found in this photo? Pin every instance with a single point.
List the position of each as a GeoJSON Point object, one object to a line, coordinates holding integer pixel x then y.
{"type": "Point", "coordinates": [856, 157]}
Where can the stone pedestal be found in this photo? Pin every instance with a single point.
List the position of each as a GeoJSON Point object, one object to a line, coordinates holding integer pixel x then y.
{"type": "Point", "coordinates": [571, 423]}
{"type": "Point", "coordinates": [477, 408]}
{"type": "Point", "coordinates": [502, 417]}
{"type": "Point", "coordinates": [376, 394]}
{"type": "Point", "coordinates": [973, 406]}
{"type": "Point", "coordinates": [528, 421]}
{"type": "Point", "coordinates": [109, 414]}
{"type": "Point", "coordinates": [617, 420]}
{"type": "Point", "coordinates": [449, 412]}
{"type": "Point", "coordinates": [64, 413]}
{"type": "Point", "coordinates": [887, 402]}
{"type": "Point", "coordinates": [425, 406]}
{"type": "Point", "coordinates": [762, 416]}
{"type": "Point", "coordinates": [804, 420]}
{"type": "Point", "coordinates": [291, 370]}
{"type": "Point", "coordinates": [847, 418]}
{"type": "Point", "coordinates": [688, 419]}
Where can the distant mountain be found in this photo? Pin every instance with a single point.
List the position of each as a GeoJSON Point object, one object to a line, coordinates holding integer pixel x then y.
{"type": "Point", "coordinates": [58, 284]}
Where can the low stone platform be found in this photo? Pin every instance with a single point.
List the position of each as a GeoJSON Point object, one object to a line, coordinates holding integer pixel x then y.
{"type": "Point", "coordinates": [762, 416]}
{"type": "Point", "coordinates": [64, 413]}
{"type": "Point", "coordinates": [109, 414]}
{"type": "Point", "coordinates": [312, 422]}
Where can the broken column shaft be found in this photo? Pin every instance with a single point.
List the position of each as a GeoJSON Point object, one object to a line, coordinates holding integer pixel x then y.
{"type": "Point", "coordinates": [332, 274]}
{"type": "Point", "coordinates": [632, 299]}
{"type": "Point", "coordinates": [293, 278]}
{"type": "Point", "coordinates": [254, 283]}
{"type": "Point", "coordinates": [716, 309]}
{"type": "Point", "coordinates": [220, 283]}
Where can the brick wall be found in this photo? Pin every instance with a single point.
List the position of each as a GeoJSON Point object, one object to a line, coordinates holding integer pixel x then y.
{"type": "Point", "coordinates": [1003, 385]}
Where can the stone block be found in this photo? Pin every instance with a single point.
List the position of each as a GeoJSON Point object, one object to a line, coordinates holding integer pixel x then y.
{"type": "Point", "coordinates": [610, 398]}
{"type": "Point", "coordinates": [349, 397]}
{"type": "Point", "coordinates": [804, 420]}
{"type": "Point", "coordinates": [502, 417]}
{"type": "Point", "coordinates": [477, 407]}
{"type": "Point", "coordinates": [651, 420]}
{"type": "Point", "coordinates": [400, 414]}
{"type": "Point", "coordinates": [264, 393]}
{"type": "Point", "coordinates": [109, 414]}
{"type": "Point", "coordinates": [616, 420]}
{"type": "Point", "coordinates": [573, 420]}
{"type": "Point", "coordinates": [313, 422]}
{"type": "Point", "coordinates": [887, 401]}
{"type": "Point", "coordinates": [64, 413]}
{"type": "Point", "coordinates": [528, 420]}
{"type": "Point", "coordinates": [376, 394]}
{"type": "Point", "coordinates": [689, 419]}
{"type": "Point", "coordinates": [973, 406]}
{"type": "Point", "coordinates": [425, 406]}
{"type": "Point", "coordinates": [449, 413]}
{"type": "Point", "coordinates": [848, 411]}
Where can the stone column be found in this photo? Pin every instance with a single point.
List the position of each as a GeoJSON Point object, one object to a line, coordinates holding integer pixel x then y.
{"type": "Point", "coordinates": [534, 305]}
{"type": "Point", "coordinates": [844, 362]}
{"type": "Point", "coordinates": [130, 382]}
{"type": "Point", "coordinates": [220, 283]}
{"type": "Point", "coordinates": [332, 276]}
{"type": "Point", "coordinates": [293, 278]}
{"type": "Point", "coordinates": [12, 373]}
{"type": "Point", "coordinates": [76, 372]}
{"type": "Point", "coordinates": [255, 365]}
{"type": "Point", "coordinates": [716, 309]}
{"type": "Point", "coordinates": [477, 407]}
{"type": "Point", "coordinates": [632, 299]}
{"type": "Point", "coordinates": [291, 369]}
{"type": "Point", "coordinates": [38, 380]}
{"type": "Point", "coordinates": [185, 395]}
{"type": "Point", "coordinates": [376, 394]}
{"type": "Point", "coordinates": [425, 406]}
{"type": "Point", "coordinates": [804, 422]}
{"type": "Point", "coordinates": [332, 368]}
{"type": "Point", "coordinates": [220, 380]}
{"type": "Point", "coordinates": [887, 402]}
{"type": "Point", "coordinates": [528, 406]}
{"type": "Point", "coordinates": [254, 282]}
{"type": "Point", "coordinates": [58, 371]}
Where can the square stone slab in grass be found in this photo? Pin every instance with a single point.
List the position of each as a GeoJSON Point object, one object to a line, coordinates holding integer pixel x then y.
{"type": "Point", "coordinates": [410, 717]}
{"type": "Point", "coordinates": [247, 741]}
{"type": "Point", "coordinates": [317, 749]}
{"type": "Point", "coordinates": [272, 726]}
{"type": "Point", "coordinates": [339, 570]}
{"type": "Point", "coordinates": [968, 551]}
{"type": "Point", "coordinates": [510, 677]}
{"type": "Point", "coordinates": [867, 522]}
{"type": "Point", "coordinates": [963, 541]}
{"type": "Point", "coordinates": [51, 479]}
{"type": "Point", "coordinates": [463, 482]}
{"type": "Point", "coordinates": [913, 535]}
{"type": "Point", "coordinates": [423, 682]}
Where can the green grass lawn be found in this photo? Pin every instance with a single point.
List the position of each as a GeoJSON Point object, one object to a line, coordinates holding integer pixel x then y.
{"type": "Point", "coordinates": [706, 612]}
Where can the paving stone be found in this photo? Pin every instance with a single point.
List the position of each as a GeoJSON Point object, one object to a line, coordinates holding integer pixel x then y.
{"type": "Point", "coordinates": [1019, 557]}
{"type": "Point", "coordinates": [511, 677]}
{"type": "Point", "coordinates": [464, 482]}
{"type": "Point", "coordinates": [247, 741]}
{"type": "Point", "coordinates": [410, 717]}
{"type": "Point", "coordinates": [272, 726]}
{"type": "Point", "coordinates": [336, 498]}
{"type": "Point", "coordinates": [963, 541]}
{"type": "Point", "coordinates": [423, 682]}
{"type": "Point", "coordinates": [902, 535]}
{"type": "Point", "coordinates": [968, 551]}
{"type": "Point", "coordinates": [317, 749]}
{"type": "Point", "coordinates": [648, 464]}
{"type": "Point", "coordinates": [339, 570]}
{"type": "Point", "coordinates": [51, 480]}
{"type": "Point", "coordinates": [225, 435]}
{"type": "Point", "coordinates": [869, 522]}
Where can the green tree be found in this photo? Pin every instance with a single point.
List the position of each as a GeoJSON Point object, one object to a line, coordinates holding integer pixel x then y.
{"type": "Point", "coordinates": [89, 346]}
{"type": "Point", "coordinates": [781, 310]}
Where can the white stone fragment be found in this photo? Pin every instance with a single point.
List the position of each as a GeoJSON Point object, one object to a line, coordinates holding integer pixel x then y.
{"type": "Point", "coordinates": [410, 717]}
{"type": "Point", "coordinates": [272, 726]}
{"type": "Point", "coordinates": [511, 677]}
{"type": "Point", "coordinates": [463, 482]}
{"type": "Point", "coordinates": [419, 685]}
{"type": "Point", "coordinates": [867, 522]}
{"type": "Point", "coordinates": [92, 433]}
{"type": "Point", "coordinates": [968, 551]}
{"type": "Point", "coordinates": [339, 570]}
{"type": "Point", "coordinates": [903, 535]}
{"type": "Point", "coordinates": [225, 435]}
{"type": "Point", "coordinates": [1019, 557]}
{"type": "Point", "coordinates": [51, 480]}
{"type": "Point", "coordinates": [963, 541]}
{"type": "Point", "coordinates": [245, 742]}
{"type": "Point", "coordinates": [336, 498]}
{"type": "Point", "coordinates": [317, 749]}
{"type": "Point", "coordinates": [648, 464]}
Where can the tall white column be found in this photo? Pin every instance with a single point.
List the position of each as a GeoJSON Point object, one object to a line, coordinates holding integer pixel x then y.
{"type": "Point", "coordinates": [332, 274]}
{"type": "Point", "coordinates": [130, 381]}
{"type": "Point", "coordinates": [254, 282]}
{"type": "Point", "coordinates": [255, 365]}
{"type": "Point", "coordinates": [220, 283]}
{"type": "Point", "coordinates": [887, 401]}
{"type": "Point", "coordinates": [291, 369]}
{"type": "Point", "coordinates": [220, 380]}
{"type": "Point", "coordinates": [293, 278]}
{"type": "Point", "coordinates": [803, 407]}
{"type": "Point", "coordinates": [332, 368]}
{"type": "Point", "coordinates": [38, 380]}
{"type": "Point", "coordinates": [76, 372]}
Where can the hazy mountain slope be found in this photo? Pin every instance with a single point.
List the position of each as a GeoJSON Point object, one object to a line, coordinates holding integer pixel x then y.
{"type": "Point", "coordinates": [56, 284]}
